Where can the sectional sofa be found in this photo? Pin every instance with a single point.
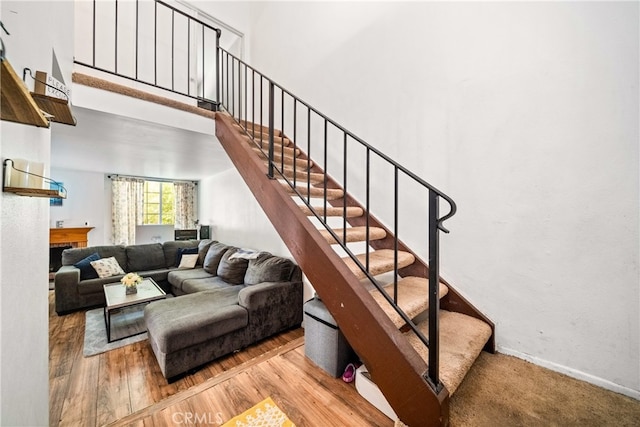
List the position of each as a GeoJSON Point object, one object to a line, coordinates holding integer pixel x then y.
{"type": "Point", "coordinates": [229, 299]}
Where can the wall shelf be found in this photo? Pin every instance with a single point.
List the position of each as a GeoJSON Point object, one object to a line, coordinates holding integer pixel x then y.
{"type": "Point", "coordinates": [36, 192]}
{"type": "Point", "coordinates": [17, 104]}
{"type": "Point", "coordinates": [58, 108]}
{"type": "Point", "coordinates": [23, 177]}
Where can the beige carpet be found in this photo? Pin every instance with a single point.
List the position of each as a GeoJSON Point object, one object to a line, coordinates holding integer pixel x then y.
{"type": "Point", "coordinates": [502, 390]}
{"type": "Point", "coordinates": [461, 340]}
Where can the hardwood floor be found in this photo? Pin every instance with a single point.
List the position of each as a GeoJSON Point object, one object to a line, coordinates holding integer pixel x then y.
{"type": "Point", "coordinates": [125, 386]}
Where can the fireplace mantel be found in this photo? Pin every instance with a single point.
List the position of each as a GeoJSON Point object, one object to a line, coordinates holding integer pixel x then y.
{"type": "Point", "coordinates": [69, 236]}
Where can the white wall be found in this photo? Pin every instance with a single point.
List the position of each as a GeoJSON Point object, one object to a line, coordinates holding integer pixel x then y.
{"type": "Point", "coordinates": [24, 240]}
{"type": "Point", "coordinates": [88, 201]}
{"type": "Point", "coordinates": [526, 114]}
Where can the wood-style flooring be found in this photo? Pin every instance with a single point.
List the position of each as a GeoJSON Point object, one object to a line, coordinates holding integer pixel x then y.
{"type": "Point", "coordinates": [125, 386]}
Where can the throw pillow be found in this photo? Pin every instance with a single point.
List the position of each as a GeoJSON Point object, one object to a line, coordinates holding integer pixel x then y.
{"type": "Point", "coordinates": [232, 270]}
{"type": "Point", "coordinates": [188, 261]}
{"type": "Point", "coordinates": [214, 254]}
{"type": "Point", "coordinates": [107, 267]}
{"type": "Point", "coordinates": [268, 268]}
{"type": "Point", "coordinates": [86, 269]}
{"type": "Point", "coordinates": [184, 251]}
{"type": "Point", "coordinates": [245, 254]}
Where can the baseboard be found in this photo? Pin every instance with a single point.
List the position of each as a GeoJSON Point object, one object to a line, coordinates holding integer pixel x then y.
{"type": "Point", "coordinates": [573, 373]}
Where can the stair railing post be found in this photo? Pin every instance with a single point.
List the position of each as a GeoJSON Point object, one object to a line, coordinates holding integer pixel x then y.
{"type": "Point", "coordinates": [434, 280]}
{"type": "Point", "coordinates": [271, 126]}
{"type": "Point", "coordinates": [218, 70]}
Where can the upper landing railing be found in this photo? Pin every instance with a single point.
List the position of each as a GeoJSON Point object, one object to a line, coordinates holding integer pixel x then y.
{"type": "Point", "coordinates": [161, 46]}
{"type": "Point", "coordinates": [151, 43]}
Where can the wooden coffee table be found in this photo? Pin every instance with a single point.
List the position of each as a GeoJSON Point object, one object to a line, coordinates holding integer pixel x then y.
{"type": "Point", "coordinates": [116, 299]}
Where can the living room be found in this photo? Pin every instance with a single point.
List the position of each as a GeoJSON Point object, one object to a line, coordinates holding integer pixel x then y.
{"type": "Point", "coordinates": [517, 107]}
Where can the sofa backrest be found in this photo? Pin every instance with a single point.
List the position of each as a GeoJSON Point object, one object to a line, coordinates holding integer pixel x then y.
{"type": "Point", "coordinates": [136, 257]}
{"type": "Point", "coordinates": [73, 255]}
{"type": "Point", "coordinates": [171, 247]}
{"type": "Point", "coordinates": [145, 257]}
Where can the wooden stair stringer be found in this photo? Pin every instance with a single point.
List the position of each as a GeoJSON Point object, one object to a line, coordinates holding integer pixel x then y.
{"type": "Point", "coordinates": [352, 306]}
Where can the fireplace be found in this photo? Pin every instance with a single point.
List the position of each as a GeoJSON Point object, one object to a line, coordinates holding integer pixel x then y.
{"type": "Point", "coordinates": [61, 239]}
{"type": "Point", "coordinates": [55, 258]}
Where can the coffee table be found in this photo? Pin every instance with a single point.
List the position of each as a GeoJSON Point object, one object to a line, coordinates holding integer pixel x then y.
{"type": "Point", "coordinates": [116, 299]}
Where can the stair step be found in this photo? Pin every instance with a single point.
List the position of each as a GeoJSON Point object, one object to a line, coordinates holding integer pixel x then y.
{"type": "Point", "coordinates": [352, 211]}
{"type": "Point", "coordinates": [277, 140]}
{"type": "Point", "coordinates": [302, 176]}
{"type": "Point", "coordinates": [354, 234]}
{"type": "Point", "coordinates": [462, 338]}
{"type": "Point", "coordinates": [256, 128]}
{"type": "Point", "coordinates": [331, 194]}
{"type": "Point", "coordinates": [380, 261]}
{"type": "Point", "coordinates": [413, 297]}
{"type": "Point", "coordinates": [277, 151]}
{"type": "Point", "coordinates": [288, 160]}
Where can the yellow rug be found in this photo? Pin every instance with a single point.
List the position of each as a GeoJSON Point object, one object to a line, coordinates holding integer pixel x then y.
{"type": "Point", "coordinates": [264, 414]}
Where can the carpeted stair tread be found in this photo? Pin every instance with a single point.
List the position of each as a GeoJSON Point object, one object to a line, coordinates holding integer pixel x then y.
{"type": "Point", "coordinates": [413, 298]}
{"type": "Point", "coordinates": [277, 139]}
{"type": "Point", "coordinates": [277, 151]}
{"type": "Point", "coordinates": [302, 176]}
{"type": "Point", "coordinates": [261, 138]}
{"type": "Point", "coordinates": [462, 338]}
{"type": "Point", "coordinates": [257, 128]}
{"type": "Point", "coordinates": [288, 160]}
{"type": "Point", "coordinates": [352, 211]}
{"type": "Point", "coordinates": [354, 234]}
{"type": "Point", "coordinates": [380, 261]}
{"type": "Point", "coordinates": [331, 194]}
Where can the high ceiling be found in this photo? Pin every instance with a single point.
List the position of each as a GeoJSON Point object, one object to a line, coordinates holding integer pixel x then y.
{"type": "Point", "coordinates": [108, 143]}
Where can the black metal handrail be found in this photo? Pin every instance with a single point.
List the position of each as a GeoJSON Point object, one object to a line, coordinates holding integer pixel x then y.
{"type": "Point", "coordinates": [196, 49]}
{"type": "Point", "coordinates": [238, 96]}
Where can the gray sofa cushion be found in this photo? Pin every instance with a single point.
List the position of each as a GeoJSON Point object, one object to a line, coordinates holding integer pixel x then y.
{"type": "Point", "coordinates": [232, 270]}
{"type": "Point", "coordinates": [145, 257]}
{"type": "Point", "coordinates": [268, 268]}
{"type": "Point", "coordinates": [177, 277]}
{"type": "Point", "coordinates": [214, 255]}
{"type": "Point", "coordinates": [178, 323]}
{"type": "Point", "coordinates": [203, 248]}
{"type": "Point", "coordinates": [191, 286]}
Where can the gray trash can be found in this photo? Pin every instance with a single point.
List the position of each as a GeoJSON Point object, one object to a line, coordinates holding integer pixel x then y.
{"type": "Point", "coordinates": [324, 344]}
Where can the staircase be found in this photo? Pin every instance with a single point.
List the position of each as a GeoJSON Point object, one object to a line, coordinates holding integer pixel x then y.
{"type": "Point", "coordinates": [414, 332]}
{"type": "Point", "coordinates": [300, 195]}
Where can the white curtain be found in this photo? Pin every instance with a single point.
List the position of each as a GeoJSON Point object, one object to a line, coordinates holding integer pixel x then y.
{"type": "Point", "coordinates": [127, 208]}
{"type": "Point", "coordinates": [185, 215]}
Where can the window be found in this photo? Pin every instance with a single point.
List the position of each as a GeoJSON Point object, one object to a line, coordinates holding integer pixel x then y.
{"type": "Point", "coordinates": [159, 202]}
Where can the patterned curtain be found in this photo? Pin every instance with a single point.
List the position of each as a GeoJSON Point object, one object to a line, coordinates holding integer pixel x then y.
{"type": "Point", "coordinates": [127, 207]}
{"type": "Point", "coordinates": [186, 193]}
